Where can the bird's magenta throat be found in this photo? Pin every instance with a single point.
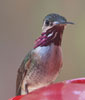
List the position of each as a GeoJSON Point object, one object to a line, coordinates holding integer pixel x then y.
{"type": "Point", "coordinates": [52, 35]}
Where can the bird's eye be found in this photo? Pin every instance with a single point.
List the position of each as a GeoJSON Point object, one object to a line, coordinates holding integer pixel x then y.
{"type": "Point", "coordinates": [47, 23]}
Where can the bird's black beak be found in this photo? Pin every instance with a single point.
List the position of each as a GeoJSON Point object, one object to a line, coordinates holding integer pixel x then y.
{"type": "Point", "coordinates": [68, 23]}
{"type": "Point", "coordinates": [62, 23]}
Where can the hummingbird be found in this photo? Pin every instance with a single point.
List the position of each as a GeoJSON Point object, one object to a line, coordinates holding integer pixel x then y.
{"type": "Point", "coordinates": [42, 64]}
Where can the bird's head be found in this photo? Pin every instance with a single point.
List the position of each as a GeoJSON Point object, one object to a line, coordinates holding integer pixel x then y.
{"type": "Point", "coordinates": [52, 20]}
{"type": "Point", "coordinates": [52, 29]}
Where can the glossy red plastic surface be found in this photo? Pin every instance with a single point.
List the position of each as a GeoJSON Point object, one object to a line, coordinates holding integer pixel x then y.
{"type": "Point", "coordinates": [67, 90]}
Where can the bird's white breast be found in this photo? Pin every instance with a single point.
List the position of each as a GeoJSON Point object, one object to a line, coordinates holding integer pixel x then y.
{"type": "Point", "coordinates": [51, 52]}
{"type": "Point", "coordinates": [51, 58]}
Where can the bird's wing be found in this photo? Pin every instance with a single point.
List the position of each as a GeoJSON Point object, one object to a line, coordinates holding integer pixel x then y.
{"type": "Point", "coordinates": [22, 72]}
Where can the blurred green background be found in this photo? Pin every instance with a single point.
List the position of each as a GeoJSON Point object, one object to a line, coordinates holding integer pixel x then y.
{"type": "Point", "coordinates": [20, 25]}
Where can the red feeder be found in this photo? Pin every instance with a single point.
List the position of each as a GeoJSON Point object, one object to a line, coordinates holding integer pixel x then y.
{"type": "Point", "coordinates": [67, 90]}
